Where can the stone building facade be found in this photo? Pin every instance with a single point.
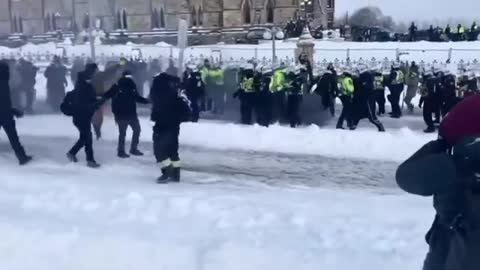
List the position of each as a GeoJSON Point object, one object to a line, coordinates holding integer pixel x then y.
{"type": "Point", "coordinates": [41, 16]}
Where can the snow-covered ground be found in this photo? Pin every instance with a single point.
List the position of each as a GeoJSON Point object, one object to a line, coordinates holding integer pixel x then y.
{"type": "Point", "coordinates": [251, 198]}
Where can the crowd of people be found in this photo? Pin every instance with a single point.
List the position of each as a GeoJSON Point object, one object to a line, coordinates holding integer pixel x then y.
{"type": "Point", "coordinates": [456, 33]}
{"type": "Point", "coordinates": [265, 96]}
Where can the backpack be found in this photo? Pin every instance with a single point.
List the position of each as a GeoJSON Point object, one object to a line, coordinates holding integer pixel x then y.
{"type": "Point", "coordinates": [67, 106]}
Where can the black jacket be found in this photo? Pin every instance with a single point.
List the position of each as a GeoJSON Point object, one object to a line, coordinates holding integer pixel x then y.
{"type": "Point", "coordinates": [168, 109]}
{"type": "Point", "coordinates": [124, 99]}
{"type": "Point", "coordinates": [85, 99]}
{"type": "Point", "coordinates": [56, 76]}
{"type": "Point", "coordinates": [28, 73]}
{"type": "Point", "coordinates": [194, 86]}
{"type": "Point", "coordinates": [6, 110]}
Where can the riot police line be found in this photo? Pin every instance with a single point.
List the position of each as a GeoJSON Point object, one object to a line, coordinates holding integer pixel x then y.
{"type": "Point", "coordinates": [253, 93]}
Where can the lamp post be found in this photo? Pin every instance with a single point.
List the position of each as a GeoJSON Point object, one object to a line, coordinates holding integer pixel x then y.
{"type": "Point", "coordinates": [91, 36]}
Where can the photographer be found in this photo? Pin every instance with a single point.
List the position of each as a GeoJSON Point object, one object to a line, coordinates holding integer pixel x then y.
{"type": "Point", "coordinates": [449, 170]}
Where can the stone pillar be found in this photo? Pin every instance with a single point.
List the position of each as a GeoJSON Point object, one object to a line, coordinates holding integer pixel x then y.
{"type": "Point", "coordinates": [347, 32]}
{"type": "Point", "coordinates": [305, 45]}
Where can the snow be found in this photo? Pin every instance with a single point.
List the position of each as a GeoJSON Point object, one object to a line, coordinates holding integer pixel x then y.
{"type": "Point", "coordinates": [56, 215]}
{"type": "Point", "coordinates": [395, 145]}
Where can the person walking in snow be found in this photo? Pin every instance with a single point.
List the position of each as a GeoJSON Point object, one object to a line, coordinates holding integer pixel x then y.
{"type": "Point", "coordinates": [84, 104]}
{"type": "Point", "coordinates": [125, 97]}
{"type": "Point", "coordinates": [56, 75]}
{"type": "Point", "coordinates": [169, 110]}
{"type": "Point", "coordinates": [7, 114]}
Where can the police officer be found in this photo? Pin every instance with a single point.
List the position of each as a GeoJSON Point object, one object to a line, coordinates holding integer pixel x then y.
{"type": "Point", "coordinates": [278, 87]}
{"type": "Point", "coordinates": [412, 81]}
{"type": "Point", "coordinates": [448, 95]}
{"type": "Point", "coordinates": [379, 90]}
{"type": "Point", "coordinates": [396, 85]}
{"type": "Point", "coordinates": [345, 93]}
{"type": "Point", "coordinates": [247, 95]}
{"type": "Point", "coordinates": [263, 99]}
{"type": "Point", "coordinates": [471, 85]}
{"type": "Point", "coordinates": [430, 100]}
{"type": "Point", "coordinates": [295, 96]}
{"type": "Point", "coordinates": [7, 114]}
{"type": "Point", "coordinates": [195, 90]}
{"type": "Point", "coordinates": [364, 101]}
{"type": "Point", "coordinates": [169, 110]}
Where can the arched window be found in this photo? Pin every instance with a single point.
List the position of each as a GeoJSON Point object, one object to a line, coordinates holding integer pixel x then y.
{"type": "Point", "coordinates": [54, 22]}
{"type": "Point", "coordinates": [20, 24]}
{"type": "Point", "coordinates": [125, 19]}
{"type": "Point", "coordinates": [246, 12]}
{"type": "Point", "coordinates": [48, 20]}
{"type": "Point", "coordinates": [155, 19]}
{"type": "Point", "coordinates": [193, 17]}
{"type": "Point", "coordinates": [86, 21]}
{"type": "Point", "coordinates": [270, 11]}
{"type": "Point", "coordinates": [162, 18]}
{"type": "Point", "coordinates": [200, 16]}
{"type": "Point", "coordinates": [14, 26]}
{"type": "Point", "coordinates": [118, 20]}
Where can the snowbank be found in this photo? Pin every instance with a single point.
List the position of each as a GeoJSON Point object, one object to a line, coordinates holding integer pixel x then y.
{"type": "Point", "coordinates": [395, 145]}
{"type": "Point", "coordinates": [63, 216]}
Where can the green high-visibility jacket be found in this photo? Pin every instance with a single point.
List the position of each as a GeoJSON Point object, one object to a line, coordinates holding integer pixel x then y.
{"type": "Point", "coordinates": [278, 82]}
{"type": "Point", "coordinates": [346, 86]}
{"type": "Point", "coordinates": [247, 85]}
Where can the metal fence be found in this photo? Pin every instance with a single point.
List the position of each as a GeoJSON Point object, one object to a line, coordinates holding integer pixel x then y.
{"type": "Point", "coordinates": [237, 54]}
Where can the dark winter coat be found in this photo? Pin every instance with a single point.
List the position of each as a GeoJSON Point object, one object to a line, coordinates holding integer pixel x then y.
{"type": "Point", "coordinates": [327, 88]}
{"type": "Point", "coordinates": [56, 77]}
{"type": "Point", "coordinates": [363, 92]}
{"type": "Point", "coordinates": [6, 110]}
{"type": "Point", "coordinates": [28, 73]}
{"type": "Point", "coordinates": [85, 99]}
{"type": "Point", "coordinates": [168, 109]}
{"type": "Point", "coordinates": [433, 86]}
{"type": "Point", "coordinates": [448, 87]}
{"type": "Point", "coordinates": [125, 98]}
{"type": "Point", "coordinates": [194, 86]}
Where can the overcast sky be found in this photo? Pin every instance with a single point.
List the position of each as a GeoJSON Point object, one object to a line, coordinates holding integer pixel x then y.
{"type": "Point", "coordinates": [420, 10]}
